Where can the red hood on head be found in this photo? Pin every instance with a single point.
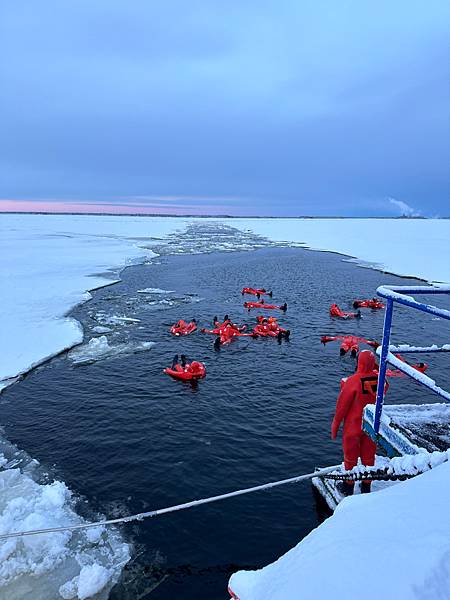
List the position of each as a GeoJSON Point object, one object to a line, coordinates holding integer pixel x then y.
{"type": "Point", "coordinates": [366, 362]}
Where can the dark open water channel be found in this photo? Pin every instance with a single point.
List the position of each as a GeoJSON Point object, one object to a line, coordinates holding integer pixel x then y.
{"type": "Point", "coordinates": [128, 439]}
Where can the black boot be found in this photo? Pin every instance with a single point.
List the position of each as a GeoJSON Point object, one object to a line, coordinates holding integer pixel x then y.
{"type": "Point", "coordinates": [175, 361]}
{"type": "Point", "coordinates": [365, 487]}
{"type": "Point", "coordinates": [183, 360]}
{"type": "Point", "coordinates": [346, 489]}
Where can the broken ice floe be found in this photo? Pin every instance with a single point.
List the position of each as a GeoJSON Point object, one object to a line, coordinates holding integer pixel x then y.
{"type": "Point", "coordinates": [151, 290]}
{"type": "Point", "coordinates": [98, 348]}
{"type": "Point", "coordinates": [70, 565]}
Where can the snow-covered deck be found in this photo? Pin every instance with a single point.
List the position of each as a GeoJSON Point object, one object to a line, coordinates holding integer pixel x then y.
{"type": "Point", "coordinates": [400, 525]}
{"type": "Point", "coordinates": [405, 429]}
{"type": "Point", "coordinates": [392, 544]}
{"type": "Point", "coordinates": [410, 428]}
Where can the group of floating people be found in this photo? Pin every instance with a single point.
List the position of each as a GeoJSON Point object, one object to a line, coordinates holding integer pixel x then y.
{"type": "Point", "coordinates": [226, 331]}
{"type": "Point", "coordinates": [374, 304]}
{"type": "Point", "coordinates": [268, 327]}
{"type": "Point", "coordinates": [350, 343]}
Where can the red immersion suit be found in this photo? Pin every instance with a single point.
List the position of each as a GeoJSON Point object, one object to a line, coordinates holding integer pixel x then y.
{"type": "Point", "coordinates": [356, 391]}
{"type": "Point", "coordinates": [349, 342]}
{"type": "Point", "coordinates": [227, 331]}
{"type": "Point", "coordinates": [374, 304]}
{"type": "Point", "coordinates": [268, 327]}
{"type": "Point", "coordinates": [256, 292]}
{"type": "Point", "coordinates": [335, 311]}
{"type": "Point", "coordinates": [421, 367]}
{"type": "Point", "coordinates": [262, 304]}
{"type": "Point", "coordinates": [194, 370]}
{"type": "Point", "coordinates": [183, 328]}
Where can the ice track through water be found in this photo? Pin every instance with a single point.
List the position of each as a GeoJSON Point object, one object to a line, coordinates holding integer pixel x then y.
{"type": "Point", "coordinates": [86, 564]}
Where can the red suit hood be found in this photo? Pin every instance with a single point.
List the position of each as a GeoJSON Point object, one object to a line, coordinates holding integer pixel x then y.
{"type": "Point", "coordinates": [366, 362]}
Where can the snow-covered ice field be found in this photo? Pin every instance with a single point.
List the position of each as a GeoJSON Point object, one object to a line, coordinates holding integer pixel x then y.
{"type": "Point", "coordinates": [48, 264]}
{"type": "Point", "coordinates": [408, 247]}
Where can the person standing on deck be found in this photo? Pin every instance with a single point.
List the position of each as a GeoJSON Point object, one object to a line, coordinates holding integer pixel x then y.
{"type": "Point", "coordinates": [356, 391]}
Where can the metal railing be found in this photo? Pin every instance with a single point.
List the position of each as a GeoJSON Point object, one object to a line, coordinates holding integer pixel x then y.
{"type": "Point", "coordinates": [386, 351]}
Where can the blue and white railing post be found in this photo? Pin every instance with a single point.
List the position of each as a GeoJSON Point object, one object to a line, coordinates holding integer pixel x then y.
{"type": "Point", "coordinates": [401, 295]}
{"type": "Point", "coordinates": [383, 363]}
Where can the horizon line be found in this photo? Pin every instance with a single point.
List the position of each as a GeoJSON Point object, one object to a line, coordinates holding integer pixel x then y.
{"type": "Point", "coordinates": [212, 216]}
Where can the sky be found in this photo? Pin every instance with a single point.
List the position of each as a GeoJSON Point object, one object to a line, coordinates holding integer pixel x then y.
{"type": "Point", "coordinates": [279, 108]}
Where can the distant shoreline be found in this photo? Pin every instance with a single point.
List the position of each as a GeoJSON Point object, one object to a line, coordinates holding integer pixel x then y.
{"type": "Point", "coordinates": [190, 216]}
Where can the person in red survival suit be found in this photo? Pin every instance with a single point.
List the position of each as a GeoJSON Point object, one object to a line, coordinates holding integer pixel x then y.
{"type": "Point", "coordinates": [356, 391]}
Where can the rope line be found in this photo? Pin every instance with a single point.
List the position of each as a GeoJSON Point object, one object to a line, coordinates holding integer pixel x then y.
{"type": "Point", "coordinates": [379, 475]}
{"type": "Point", "coordinates": [373, 473]}
{"type": "Point", "coordinates": [175, 508]}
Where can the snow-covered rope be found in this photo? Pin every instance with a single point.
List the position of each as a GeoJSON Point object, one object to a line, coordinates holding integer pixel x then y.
{"type": "Point", "coordinates": [177, 507]}
{"type": "Point", "coordinates": [398, 468]}
{"type": "Point", "coordinates": [402, 467]}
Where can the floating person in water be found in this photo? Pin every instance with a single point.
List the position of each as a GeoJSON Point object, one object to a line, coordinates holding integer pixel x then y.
{"type": "Point", "coordinates": [335, 311]}
{"type": "Point", "coordinates": [186, 371]}
{"type": "Point", "coordinates": [357, 391]}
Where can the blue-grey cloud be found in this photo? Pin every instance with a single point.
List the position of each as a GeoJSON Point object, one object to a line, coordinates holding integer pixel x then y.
{"type": "Point", "coordinates": [286, 108]}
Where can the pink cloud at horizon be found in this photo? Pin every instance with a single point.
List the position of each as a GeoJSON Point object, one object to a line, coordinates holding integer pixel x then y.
{"type": "Point", "coordinates": [27, 206]}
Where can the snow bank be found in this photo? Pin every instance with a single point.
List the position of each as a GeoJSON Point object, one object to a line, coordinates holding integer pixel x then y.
{"type": "Point", "coordinates": [384, 243]}
{"type": "Point", "coordinates": [47, 265]}
{"type": "Point", "coordinates": [375, 545]}
{"type": "Point", "coordinates": [58, 565]}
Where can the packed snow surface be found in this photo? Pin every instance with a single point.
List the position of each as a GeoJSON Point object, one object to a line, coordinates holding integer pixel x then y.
{"type": "Point", "coordinates": [409, 247]}
{"type": "Point", "coordinates": [375, 545]}
{"type": "Point", "coordinates": [48, 263]}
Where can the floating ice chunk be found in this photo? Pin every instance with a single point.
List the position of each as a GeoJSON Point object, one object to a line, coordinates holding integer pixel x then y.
{"type": "Point", "coordinates": [115, 319]}
{"type": "Point", "coordinates": [91, 580]}
{"type": "Point", "coordinates": [98, 348]}
{"type": "Point", "coordinates": [68, 591]}
{"type": "Point", "coordinates": [154, 291]}
{"type": "Point", "coordinates": [93, 534]}
{"type": "Point", "coordinates": [104, 319]}
{"type": "Point", "coordinates": [61, 564]}
{"type": "Point", "coordinates": [100, 329]}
